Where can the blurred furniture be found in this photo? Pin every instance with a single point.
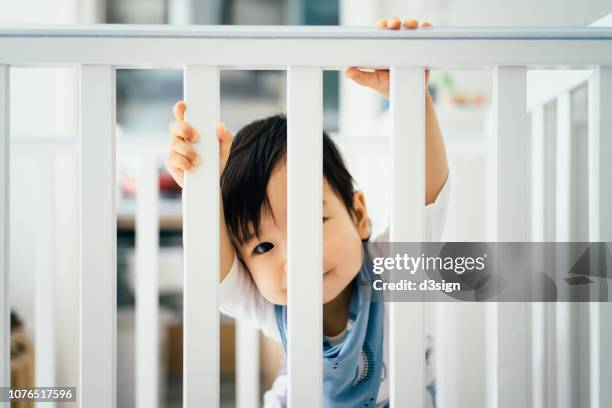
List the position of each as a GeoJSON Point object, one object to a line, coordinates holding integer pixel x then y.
{"type": "Point", "coordinates": [22, 360]}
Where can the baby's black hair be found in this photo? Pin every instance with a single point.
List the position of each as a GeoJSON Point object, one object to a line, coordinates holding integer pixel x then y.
{"type": "Point", "coordinates": [256, 151]}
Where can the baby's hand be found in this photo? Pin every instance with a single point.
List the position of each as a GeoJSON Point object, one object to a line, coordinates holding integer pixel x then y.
{"type": "Point", "coordinates": [379, 79]}
{"type": "Point", "coordinates": [181, 156]}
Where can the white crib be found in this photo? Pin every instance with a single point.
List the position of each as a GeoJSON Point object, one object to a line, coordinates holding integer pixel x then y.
{"type": "Point", "coordinates": [304, 52]}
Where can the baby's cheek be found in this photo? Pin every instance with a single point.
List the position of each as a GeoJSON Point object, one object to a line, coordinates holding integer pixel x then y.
{"type": "Point", "coordinates": [342, 252]}
{"type": "Point", "coordinates": [269, 283]}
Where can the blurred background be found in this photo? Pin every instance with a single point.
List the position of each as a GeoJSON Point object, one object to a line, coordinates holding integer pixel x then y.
{"type": "Point", "coordinates": [43, 117]}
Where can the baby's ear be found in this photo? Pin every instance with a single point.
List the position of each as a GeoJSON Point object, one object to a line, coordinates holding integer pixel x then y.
{"type": "Point", "coordinates": [360, 215]}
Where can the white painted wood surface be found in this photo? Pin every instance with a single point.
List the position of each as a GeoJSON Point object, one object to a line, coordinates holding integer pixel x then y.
{"type": "Point", "coordinates": [44, 280]}
{"type": "Point", "coordinates": [201, 243]}
{"type": "Point", "coordinates": [305, 236]}
{"type": "Point", "coordinates": [247, 365]}
{"type": "Point", "coordinates": [5, 319]}
{"type": "Point", "coordinates": [564, 376]}
{"type": "Point", "coordinates": [600, 151]}
{"type": "Point", "coordinates": [98, 303]}
{"type": "Point", "coordinates": [256, 47]}
{"type": "Point", "coordinates": [600, 225]}
{"type": "Point", "coordinates": [407, 224]}
{"type": "Point", "coordinates": [538, 355]}
{"type": "Point", "coordinates": [564, 155]}
{"type": "Point", "coordinates": [538, 172]}
{"type": "Point", "coordinates": [512, 209]}
{"type": "Point", "coordinates": [538, 332]}
{"type": "Point", "coordinates": [147, 282]}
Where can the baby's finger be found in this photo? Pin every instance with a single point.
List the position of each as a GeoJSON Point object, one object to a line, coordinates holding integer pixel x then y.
{"type": "Point", "coordinates": [179, 110]}
{"type": "Point", "coordinates": [364, 78]}
{"type": "Point", "coordinates": [382, 23]}
{"type": "Point", "coordinates": [394, 23]}
{"type": "Point", "coordinates": [178, 176]}
{"type": "Point", "coordinates": [225, 142]}
{"type": "Point", "coordinates": [223, 133]}
{"type": "Point", "coordinates": [176, 173]}
{"type": "Point", "coordinates": [181, 147]}
{"type": "Point", "coordinates": [425, 24]}
{"type": "Point", "coordinates": [184, 130]}
{"type": "Point", "coordinates": [410, 23]}
{"type": "Point", "coordinates": [180, 162]}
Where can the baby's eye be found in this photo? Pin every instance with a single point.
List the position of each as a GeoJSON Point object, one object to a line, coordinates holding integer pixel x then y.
{"type": "Point", "coordinates": [325, 219]}
{"type": "Point", "coordinates": [263, 248]}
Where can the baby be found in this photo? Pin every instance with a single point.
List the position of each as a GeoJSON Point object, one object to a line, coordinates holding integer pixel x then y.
{"type": "Point", "coordinates": [253, 276]}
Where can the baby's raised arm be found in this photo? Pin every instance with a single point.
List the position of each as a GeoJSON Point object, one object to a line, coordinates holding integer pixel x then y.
{"type": "Point", "coordinates": [436, 164]}
{"type": "Point", "coordinates": [182, 157]}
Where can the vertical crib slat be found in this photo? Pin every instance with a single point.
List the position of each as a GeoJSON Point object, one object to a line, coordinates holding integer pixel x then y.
{"type": "Point", "coordinates": [247, 365]}
{"type": "Point", "coordinates": [600, 151]}
{"type": "Point", "coordinates": [147, 297]}
{"type": "Point", "coordinates": [538, 355]}
{"type": "Point", "coordinates": [304, 231]}
{"type": "Point", "coordinates": [537, 230]}
{"type": "Point", "coordinates": [98, 237]}
{"type": "Point", "coordinates": [5, 331]}
{"type": "Point", "coordinates": [565, 387]}
{"type": "Point", "coordinates": [201, 241]}
{"type": "Point", "coordinates": [45, 277]}
{"type": "Point", "coordinates": [407, 337]}
{"type": "Point", "coordinates": [600, 225]}
{"type": "Point", "coordinates": [511, 128]}
{"type": "Point", "coordinates": [564, 167]}
{"type": "Point", "coordinates": [538, 173]}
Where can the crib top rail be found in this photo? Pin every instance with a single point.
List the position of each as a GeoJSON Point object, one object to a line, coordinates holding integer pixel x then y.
{"type": "Point", "coordinates": [303, 32]}
{"type": "Point", "coordinates": [329, 47]}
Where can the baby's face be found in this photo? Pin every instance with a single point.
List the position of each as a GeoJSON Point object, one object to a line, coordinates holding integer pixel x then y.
{"type": "Point", "coordinates": [266, 256]}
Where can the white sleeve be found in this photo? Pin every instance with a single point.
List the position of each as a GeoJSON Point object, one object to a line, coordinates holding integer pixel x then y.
{"type": "Point", "coordinates": [435, 216]}
{"type": "Point", "coordinates": [240, 298]}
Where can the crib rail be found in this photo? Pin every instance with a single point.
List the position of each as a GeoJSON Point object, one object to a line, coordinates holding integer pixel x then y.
{"type": "Point", "coordinates": [249, 47]}
{"type": "Point", "coordinates": [304, 52]}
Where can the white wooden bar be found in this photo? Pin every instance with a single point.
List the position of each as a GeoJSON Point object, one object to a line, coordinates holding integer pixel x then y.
{"type": "Point", "coordinates": [600, 225]}
{"type": "Point", "coordinates": [538, 355]}
{"type": "Point", "coordinates": [564, 373]}
{"type": "Point", "coordinates": [538, 174]}
{"type": "Point", "coordinates": [147, 296]}
{"type": "Point", "coordinates": [67, 258]}
{"type": "Point", "coordinates": [201, 241]}
{"type": "Point", "coordinates": [600, 151]}
{"type": "Point", "coordinates": [305, 236]}
{"type": "Point", "coordinates": [98, 272]}
{"type": "Point", "coordinates": [407, 224]}
{"type": "Point", "coordinates": [5, 319]}
{"type": "Point", "coordinates": [45, 278]}
{"type": "Point", "coordinates": [247, 365]}
{"type": "Point", "coordinates": [563, 192]}
{"type": "Point", "coordinates": [537, 234]}
{"type": "Point", "coordinates": [513, 202]}
{"type": "Point", "coordinates": [491, 351]}
{"type": "Point", "coordinates": [256, 47]}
